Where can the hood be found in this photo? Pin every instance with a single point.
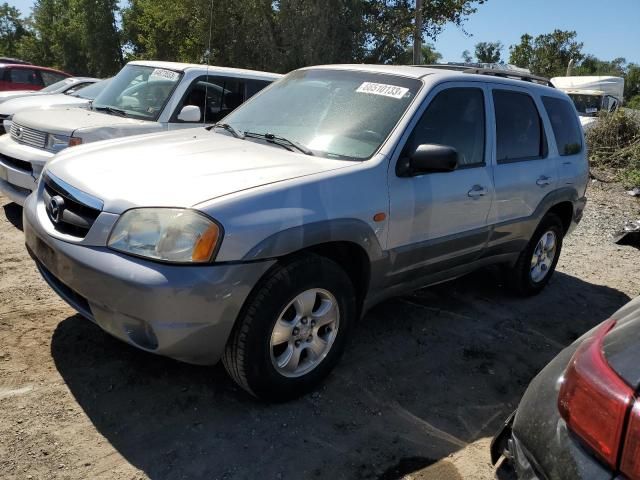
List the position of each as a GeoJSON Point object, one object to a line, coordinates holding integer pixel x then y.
{"type": "Point", "coordinates": [4, 96]}
{"type": "Point", "coordinates": [40, 102]}
{"type": "Point", "coordinates": [65, 121]}
{"type": "Point", "coordinates": [179, 169]}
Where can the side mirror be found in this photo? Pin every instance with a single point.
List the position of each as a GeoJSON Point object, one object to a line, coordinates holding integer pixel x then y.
{"type": "Point", "coordinates": [189, 113]}
{"type": "Point", "coordinates": [429, 158]}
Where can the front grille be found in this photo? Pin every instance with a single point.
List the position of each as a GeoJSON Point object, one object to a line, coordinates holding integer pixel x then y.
{"type": "Point", "coordinates": [16, 163]}
{"type": "Point", "coordinates": [68, 214]}
{"type": "Point", "coordinates": [28, 136]}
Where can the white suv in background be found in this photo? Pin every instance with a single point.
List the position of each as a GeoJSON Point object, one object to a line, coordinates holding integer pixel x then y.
{"type": "Point", "coordinates": [144, 97]}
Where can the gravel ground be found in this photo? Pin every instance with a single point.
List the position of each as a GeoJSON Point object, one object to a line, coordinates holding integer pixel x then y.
{"type": "Point", "coordinates": [425, 383]}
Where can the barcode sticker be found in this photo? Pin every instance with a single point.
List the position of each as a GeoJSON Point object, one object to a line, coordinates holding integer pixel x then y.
{"type": "Point", "coordinates": [382, 89]}
{"type": "Point", "coordinates": [162, 74]}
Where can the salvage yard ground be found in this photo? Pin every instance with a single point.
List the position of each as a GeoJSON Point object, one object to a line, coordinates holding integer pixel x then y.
{"type": "Point", "coordinates": [424, 384]}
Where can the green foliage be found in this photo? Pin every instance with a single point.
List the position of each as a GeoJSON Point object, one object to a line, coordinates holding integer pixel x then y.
{"type": "Point", "coordinates": [388, 24]}
{"type": "Point", "coordinates": [429, 55]}
{"type": "Point", "coordinates": [78, 36]}
{"type": "Point", "coordinates": [488, 52]}
{"type": "Point", "coordinates": [466, 56]}
{"type": "Point", "coordinates": [614, 142]}
{"type": "Point", "coordinates": [548, 54]}
{"type": "Point", "coordinates": [633, 102]}
{"type": "Point", "coordinates": [592, 65]}
{"type": "Point", "coordinates": [12, 30]}
{"type": "Point", "coordinates": [632, 82]}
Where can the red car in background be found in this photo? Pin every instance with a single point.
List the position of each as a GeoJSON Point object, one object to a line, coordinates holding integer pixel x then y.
{"type": "Point", "coordinates": [27, 77]}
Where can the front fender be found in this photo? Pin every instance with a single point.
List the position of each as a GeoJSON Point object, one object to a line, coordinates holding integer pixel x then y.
{"type": "Point", "coordinates": [300, 237]}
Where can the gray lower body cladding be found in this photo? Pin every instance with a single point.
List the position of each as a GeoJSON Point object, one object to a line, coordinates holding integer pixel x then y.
{"type": "Point", "coordinates": [182, 312]}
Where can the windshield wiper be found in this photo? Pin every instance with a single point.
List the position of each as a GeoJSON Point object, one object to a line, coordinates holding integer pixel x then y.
{"type": "Point", "coordinates": [230, 129]}
{"type": "Point", "coordinates": [282, 141]}
{"type": "Point", "coordinates": [117, 111]}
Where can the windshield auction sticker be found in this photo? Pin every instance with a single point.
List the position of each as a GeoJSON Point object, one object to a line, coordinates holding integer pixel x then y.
{"type": "Point", "coordinates": [382, 89]}
{"type": "Point", "coordinates": [162, 74]}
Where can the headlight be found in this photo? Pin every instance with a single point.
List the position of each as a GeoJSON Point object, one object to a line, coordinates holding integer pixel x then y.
{"type": "Point", "coordinates": [166, 234]}
{"type": "Point", "coordinates": [55, 143]}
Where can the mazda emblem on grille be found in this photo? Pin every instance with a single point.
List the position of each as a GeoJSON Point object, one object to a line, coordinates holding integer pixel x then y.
{"type": "Point", "coordinates": [56, 208]}
{"type": "Point", "coordinates": [19, 132]}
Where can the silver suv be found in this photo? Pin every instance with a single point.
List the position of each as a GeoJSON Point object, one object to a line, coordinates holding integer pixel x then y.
{"type": "Point", "coordinates": [261, 241]}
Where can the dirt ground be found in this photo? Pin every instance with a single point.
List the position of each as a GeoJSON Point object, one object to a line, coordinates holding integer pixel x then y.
{"type": "Point", "coordinates": [425, 382]}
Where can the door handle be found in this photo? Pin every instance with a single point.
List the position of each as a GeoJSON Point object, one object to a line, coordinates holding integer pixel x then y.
{"type": "Point", "coordinates": [477, 191]}
{"type": "Point", "coordinates": [543, 181]}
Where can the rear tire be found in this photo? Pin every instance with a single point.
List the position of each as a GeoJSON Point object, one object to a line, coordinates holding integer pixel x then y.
{"type": "Point", "coordinates": [292, 329]}
{"type": "Point", "coordinates": [537, 262]}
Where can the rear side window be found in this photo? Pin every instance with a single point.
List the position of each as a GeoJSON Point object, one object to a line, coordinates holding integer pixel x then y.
{"type": "Point", "coordinates": [24, 75]}
{"type": "Point", "coordinates": [519, 132]}
{"type": "Point", "coordinates": [49, 78]}
{"type": "Point", "coordinates": [455, 117]}
{"type": "Point", "coordinates": [565, 125]}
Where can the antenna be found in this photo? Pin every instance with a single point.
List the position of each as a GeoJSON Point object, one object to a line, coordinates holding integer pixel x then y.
{"type": "Point", "coordinates": [206, 85]}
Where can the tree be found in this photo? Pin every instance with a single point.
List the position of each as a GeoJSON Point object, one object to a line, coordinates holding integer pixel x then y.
{"type": "Point", "coordinates": [591, 65]}
{"type": "Point", "coordinates": [466, 57]}
{"type": "Point", "coordinates": [389, 24]}
{"type": "Point", "coordinates": [548, 54]}
{"type": "Point", "coordinates": [312, 32]}
{"type": "Point", "coordinates": [632, 83]}
{"type": "Point", "coordinates": [78, 36]}
{"type": "Point", "coordinates": [12, 30]}
{"type": "Point", "coordinates": [488, 52]}
{"type": "Point", "coordinates": [166, 29]}
{"type": "Point", "coordinates": [429, 55]}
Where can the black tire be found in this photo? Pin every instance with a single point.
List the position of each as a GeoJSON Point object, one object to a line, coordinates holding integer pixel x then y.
{"type": "Point", "coordinates": [247, 356]}
{"type": "Point", "coordinates": [519, 276]}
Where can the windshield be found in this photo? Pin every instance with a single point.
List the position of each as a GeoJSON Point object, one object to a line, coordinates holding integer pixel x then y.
{"type": "Point", "coordinates": [138, 91]}
{"type": "Point", "coordinates": [587, 105]}
{"type": "Point", "coordinates": [333, 113]}
{"type": "Point", "coordinates": [58, 86]}
{"type": "Point", "coordinates": [91, 91]}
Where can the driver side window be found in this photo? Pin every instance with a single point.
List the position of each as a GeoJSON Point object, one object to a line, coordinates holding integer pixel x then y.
{"type": "Point", "coordinates": [214, 96]}
{"type": "Point", "coordinates": [455, 118]}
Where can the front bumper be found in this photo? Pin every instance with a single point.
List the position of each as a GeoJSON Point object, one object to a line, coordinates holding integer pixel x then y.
{"type": "Point", "coordinates": [20, 168]}
{"type": "Point", "coordinates": [182, 312]}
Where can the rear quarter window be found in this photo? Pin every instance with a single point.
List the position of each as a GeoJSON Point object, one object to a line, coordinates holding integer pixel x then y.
{"type": "Point", "coordinates": [519, 132]}
{"type": "Point", "coordinates": [564, 124]}
{"type": "Point", "coordinates": [49, 78]}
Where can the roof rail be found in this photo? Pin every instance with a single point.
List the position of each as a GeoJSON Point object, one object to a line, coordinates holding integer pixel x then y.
{"type": "Point", "coordinates": [496, 72]}
{"type": "Point", "coordinates": [527, 77]}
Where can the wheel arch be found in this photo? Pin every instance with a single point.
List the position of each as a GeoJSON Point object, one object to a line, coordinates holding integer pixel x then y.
{"type": "Point", "coordinates": [352, 244]}
{"type": "Point", "coordinates": [564, 210]}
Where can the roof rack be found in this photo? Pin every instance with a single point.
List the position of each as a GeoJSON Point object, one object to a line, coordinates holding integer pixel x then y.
{"type": "Point", "coordinates": [496, 72]}
{"type": "Point", "coordinates": [527, 77]}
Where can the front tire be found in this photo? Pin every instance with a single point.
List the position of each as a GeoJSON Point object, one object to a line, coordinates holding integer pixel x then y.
{"type": "Point", "coordinates": [538, 260]}
{"type": "Point", "coordinates": [292, 330]}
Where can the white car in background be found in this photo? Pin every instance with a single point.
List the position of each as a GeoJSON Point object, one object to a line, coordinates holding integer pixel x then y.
{"type": "Point", "coordinates": [78, 97]}
{"type": "Point", "coordinates": [67, 85]}
{"type": "Point", "coordinates": [144, 97]}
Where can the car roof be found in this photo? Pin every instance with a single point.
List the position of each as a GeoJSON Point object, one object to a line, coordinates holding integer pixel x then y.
{"type": "Point", "coordinates": [32, 67]}
{"type": "Point", "coordinates": [183, 67]}
{"type": "Point", "coordinates": [422, 72]}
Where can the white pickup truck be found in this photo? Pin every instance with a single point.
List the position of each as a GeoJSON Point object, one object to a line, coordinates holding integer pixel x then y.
{"type": "Point", "coordinates": [144, 97]}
